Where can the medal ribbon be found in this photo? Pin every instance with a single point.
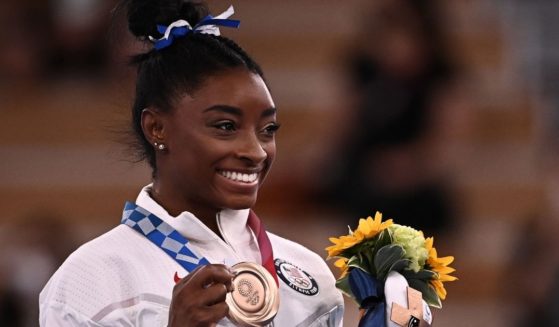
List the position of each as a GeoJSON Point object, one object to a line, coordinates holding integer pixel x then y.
{"type": "Point", "coordinates": [264, 244]}
{"type": "Point", "coordinates": [177, 246]}
{"type": "Point", "coordinates": [163, 235]}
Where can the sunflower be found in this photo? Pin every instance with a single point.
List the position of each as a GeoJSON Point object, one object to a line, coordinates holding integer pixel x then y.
{"type": "Point", "coordinates": [441, 267]}
{"type": "Point", "coordinates": [342, 243]}
{"type": "Point", "coordinates": [342, 264]}
{"type": "Point", "coordinates": [439, 288]}
{"type": "Point", "coordinates": [368, 228]}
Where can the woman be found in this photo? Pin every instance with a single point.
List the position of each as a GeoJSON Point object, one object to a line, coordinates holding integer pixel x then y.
{"type": "Point", "coordinates": [205, 121]}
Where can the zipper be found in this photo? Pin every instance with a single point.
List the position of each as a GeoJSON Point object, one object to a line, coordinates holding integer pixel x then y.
{"type": "Point", "coordinates": [224, 237]}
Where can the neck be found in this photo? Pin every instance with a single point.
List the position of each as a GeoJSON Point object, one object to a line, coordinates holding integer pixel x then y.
{"type": "Point", "coordinates": [174, 205]}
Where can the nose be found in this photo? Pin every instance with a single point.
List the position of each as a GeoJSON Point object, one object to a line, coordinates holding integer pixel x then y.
{"type": "Point", "coordinates": [251, 148]}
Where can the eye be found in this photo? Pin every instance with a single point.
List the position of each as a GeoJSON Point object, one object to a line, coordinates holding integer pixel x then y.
{"type": "Point", "coordinates": [271, 129]}
{"type": "Point", "coordinates": [227, 126]}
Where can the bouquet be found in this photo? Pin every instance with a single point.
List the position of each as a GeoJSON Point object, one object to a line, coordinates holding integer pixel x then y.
{"type": "Point", "coordinates": [377, 250]}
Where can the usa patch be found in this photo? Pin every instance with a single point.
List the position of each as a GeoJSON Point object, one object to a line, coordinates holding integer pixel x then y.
{"type": "Point", "coordinates": [296, 278]}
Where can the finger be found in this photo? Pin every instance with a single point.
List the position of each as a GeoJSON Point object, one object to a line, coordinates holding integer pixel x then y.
{"type": "Point", "coordinates": [202, 278]}
{"type": "Point", "coordinates": [190, 275]}
{"type": "Point", "coordinates": [202, 275]}
{"type": "Point", "coordinates": [229, 286]}
{"type": "Point", "coordinates": [215, 293]}
{"type": "Point", "coordinates": [213, 274]}
{"type": "Point", "coordinates": [218, 311]}
{"type": "Point", "coordinates": [187, 280]}
{"type": "Point", "coordinates": [210, 315]}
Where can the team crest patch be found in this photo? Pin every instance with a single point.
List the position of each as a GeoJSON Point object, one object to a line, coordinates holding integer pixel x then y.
{"type": "Point", "coordinates": [296, 278]}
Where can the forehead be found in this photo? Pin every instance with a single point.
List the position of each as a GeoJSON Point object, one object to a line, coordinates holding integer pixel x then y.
{"type": "Point", "coordinates": [238, 88]}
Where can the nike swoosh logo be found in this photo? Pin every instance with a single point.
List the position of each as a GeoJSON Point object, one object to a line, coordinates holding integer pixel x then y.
{"type": "Point", "coordinates": [177, 278]}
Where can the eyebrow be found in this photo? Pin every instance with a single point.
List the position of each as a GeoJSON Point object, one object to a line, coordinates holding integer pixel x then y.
{"type": "Point", "coordinates": [269, 112]}
{"type": "Point", "coordinates": [237, 111]}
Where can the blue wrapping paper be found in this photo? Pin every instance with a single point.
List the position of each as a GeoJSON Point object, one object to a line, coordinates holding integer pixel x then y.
{"type": "Point", "coordinates": [369, 293]}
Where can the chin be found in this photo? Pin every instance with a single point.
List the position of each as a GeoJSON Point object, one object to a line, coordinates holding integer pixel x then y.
{"type": "Point", "coordinates": [241, 203]}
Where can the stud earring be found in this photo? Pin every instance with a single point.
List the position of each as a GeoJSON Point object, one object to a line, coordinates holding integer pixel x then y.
{"type": "Point", "coordinates": [159, 146]}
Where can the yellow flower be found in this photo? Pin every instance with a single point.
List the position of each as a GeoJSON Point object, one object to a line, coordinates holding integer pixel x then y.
{"type": "Point", "coordinates": [342, 264]}
{"type": "Point", "coordinates": [440, 266]}
{"type": "Point", "coordinates": [342, 243]}
{"type": "Point", "coordinates": [368, 228]}
{"type": "Point", "coordinates": [439, 288]}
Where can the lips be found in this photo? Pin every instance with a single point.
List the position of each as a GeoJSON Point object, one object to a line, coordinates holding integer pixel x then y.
{"type": "Point", "coordinates": [240, 177]}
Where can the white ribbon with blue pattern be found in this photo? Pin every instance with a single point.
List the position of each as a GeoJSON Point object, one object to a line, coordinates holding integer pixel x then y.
{"type": "Point", "coordinates": [163, 235]}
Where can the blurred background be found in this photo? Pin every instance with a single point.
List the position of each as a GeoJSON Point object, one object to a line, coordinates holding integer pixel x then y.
{"type": "Point", "coordinates": [442, 114]}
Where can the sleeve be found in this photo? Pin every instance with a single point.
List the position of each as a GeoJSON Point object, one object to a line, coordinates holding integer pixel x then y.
{"type": "Point", "coordinates": [333, 318]}
{"type": "Point", "coordinates": [54, 315]}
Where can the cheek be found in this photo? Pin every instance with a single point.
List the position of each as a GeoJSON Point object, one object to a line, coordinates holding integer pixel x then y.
{"type": "Point", "coordinates": [270, 150]}
{"type": "Point", "coordinates": [209, 156]}
{"type": "Point", "coordinates": [190, 160]}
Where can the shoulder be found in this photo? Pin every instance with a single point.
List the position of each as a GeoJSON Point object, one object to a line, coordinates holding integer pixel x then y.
{"type": "Point", "coordinates": [104, 270]}
{"type": "Point", "coordinates": [290, 256]}
{"type": "Point", "coordinates": [290, 249]}
{"type": "Point", "coordinates": [84, 274]}
{"type": "Point", "coordinates": [107, 252]}
{"type": "Point", "coordinates": [308, 282]}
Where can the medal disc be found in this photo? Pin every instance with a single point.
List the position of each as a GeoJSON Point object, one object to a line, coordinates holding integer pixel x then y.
{"type": "Point", "coordinates": [254, 300]}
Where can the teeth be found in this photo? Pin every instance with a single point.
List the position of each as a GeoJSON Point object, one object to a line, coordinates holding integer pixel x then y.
{"type": "Point", "coordinates": [239, 177]}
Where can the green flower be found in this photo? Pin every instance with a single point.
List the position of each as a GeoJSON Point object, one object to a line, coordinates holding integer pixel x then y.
{"type": "Point", "coordinates": [413, 243]}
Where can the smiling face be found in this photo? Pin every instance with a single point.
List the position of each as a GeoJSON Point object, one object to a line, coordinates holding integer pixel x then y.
{"type": "Point", "coordinates": [220, 145]}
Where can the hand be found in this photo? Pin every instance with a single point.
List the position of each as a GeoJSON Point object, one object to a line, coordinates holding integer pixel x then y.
{"type": "Point", "coordinates": [199, 298]}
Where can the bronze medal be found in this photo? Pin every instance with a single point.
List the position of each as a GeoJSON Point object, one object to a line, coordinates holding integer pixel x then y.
{"type": "Point", "coordinates": [254, 300]}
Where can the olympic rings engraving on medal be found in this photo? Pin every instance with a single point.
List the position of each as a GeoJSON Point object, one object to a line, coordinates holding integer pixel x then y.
{"type": "Point", "coordinates": [245, 289]}
{"type": "Point", "coordinates": [254, 300]}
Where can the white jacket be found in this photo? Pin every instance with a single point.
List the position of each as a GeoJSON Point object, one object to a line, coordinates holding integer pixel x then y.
{"type": "Point", "coordinates": [122, 279]}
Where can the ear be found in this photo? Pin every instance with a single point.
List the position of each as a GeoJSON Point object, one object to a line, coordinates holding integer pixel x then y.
{"type": "Point", "coordinates": [153, 126]}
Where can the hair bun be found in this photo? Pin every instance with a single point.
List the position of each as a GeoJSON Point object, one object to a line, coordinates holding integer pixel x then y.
{"type": "Point", "coordinates": [144, 15]}
{"type": "Point", "coordinates": [193, 12]}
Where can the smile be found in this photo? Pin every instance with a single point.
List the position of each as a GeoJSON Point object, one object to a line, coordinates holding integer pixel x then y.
{"type": "Point", "coordinates": [239, 177]}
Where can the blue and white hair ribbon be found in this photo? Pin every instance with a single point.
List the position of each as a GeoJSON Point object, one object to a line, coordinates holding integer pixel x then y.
{"type": "Point", "coordinates": [208, 25]}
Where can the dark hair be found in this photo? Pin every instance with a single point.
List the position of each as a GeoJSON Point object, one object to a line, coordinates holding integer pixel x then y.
{"type": "Point", "coordinates": [166, 74]}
